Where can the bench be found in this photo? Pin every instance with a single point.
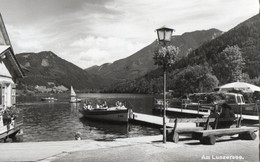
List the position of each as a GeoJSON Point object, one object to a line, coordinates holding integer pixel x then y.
{"type": "Point", "coordinates": [208, 128]}
{"type": "Point", "coordinates": [209, 136]}
{"type": "Point", "coordinates": [172, 134]}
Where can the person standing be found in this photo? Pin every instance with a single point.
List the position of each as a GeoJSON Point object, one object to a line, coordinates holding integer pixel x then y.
{"type": "Point", "coordinates": [227, 116]}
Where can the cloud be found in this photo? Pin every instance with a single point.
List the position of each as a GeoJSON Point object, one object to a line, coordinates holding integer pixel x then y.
{"type": "Point", "coordinates": [90, 32]}
{"type": "Point", "coordinates": [94, 50]}
{"type": "Point", "coordinates": [26, 39]}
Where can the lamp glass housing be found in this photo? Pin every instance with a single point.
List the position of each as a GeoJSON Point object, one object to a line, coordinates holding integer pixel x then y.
{"type": "Point", "coordinates": [164, 34]}
{"type": "Point", "coordinates": [168, 35]}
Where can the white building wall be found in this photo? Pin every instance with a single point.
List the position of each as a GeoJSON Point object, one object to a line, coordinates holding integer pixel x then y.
{"type": "Point", "coordinates": [6, 83]}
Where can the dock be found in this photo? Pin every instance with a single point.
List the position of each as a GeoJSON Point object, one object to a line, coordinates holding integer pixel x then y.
{"type": "Point", "coordinates": [206, 112]}
{"type": "Point", "coordinates": [150, 120]}
{"type": "Point", "coordinates": [157, 121]}
{"type": "Point", "coordinates": [249, 117]}
{"type": "Point", "coordinates": [11, 131]}
{"type": "Point", "coordinates": [201, 111]}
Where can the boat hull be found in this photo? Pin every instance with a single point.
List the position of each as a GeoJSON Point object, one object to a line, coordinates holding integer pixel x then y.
{"type": "Point", "coordinates": [75, 100]}
{"type": "Point", "coordinates": [107, 115]}
{"type": "Point", "coordinates": [203, 112]}
{"type": "Point", "coordinates": [49, 99]}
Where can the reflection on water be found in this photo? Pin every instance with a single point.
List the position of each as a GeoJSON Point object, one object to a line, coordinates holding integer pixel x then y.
{"type": "Point", "coordinates": [104, 130]}
{"type": "Point", "coordinates": [58, 121]}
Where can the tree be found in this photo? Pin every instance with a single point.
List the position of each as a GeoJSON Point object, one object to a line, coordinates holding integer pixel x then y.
{"type": "Point", "coordinates": [165, 56]}
{"type": "Point", "coordinates": [194, 79]}
{"type": "Point", "coordinates": [230, 64]}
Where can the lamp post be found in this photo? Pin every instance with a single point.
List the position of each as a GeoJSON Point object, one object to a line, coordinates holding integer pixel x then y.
{"type": "Point", "coordinates": [164, 35]}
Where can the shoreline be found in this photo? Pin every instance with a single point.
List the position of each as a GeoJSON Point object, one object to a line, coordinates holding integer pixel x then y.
{"type": "Point", "coordinates": [144, 148]}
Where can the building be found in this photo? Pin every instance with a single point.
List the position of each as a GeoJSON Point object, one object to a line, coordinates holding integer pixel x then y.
{"type": "Point", "coordinates": [10, 70]}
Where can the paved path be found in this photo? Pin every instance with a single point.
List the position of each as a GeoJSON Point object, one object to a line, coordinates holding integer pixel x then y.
{"type": "Point", "coordinates": [148, 148]}
{"type": "Point", "coordinates": [186, 150]}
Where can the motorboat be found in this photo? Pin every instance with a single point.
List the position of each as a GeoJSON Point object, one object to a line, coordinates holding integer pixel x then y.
{"type": "Point", "coordinates": [203, 104]}
{"type": "Point", "coordinates": [49, 99]}
{"type": "Point", "coordinates": [113, 114]}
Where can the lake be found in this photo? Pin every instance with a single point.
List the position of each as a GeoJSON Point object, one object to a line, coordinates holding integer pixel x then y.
{"type": "Point", "coordinates": [60, 120]}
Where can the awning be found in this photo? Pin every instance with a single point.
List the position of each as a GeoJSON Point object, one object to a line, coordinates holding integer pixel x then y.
{"type": "Point", "coordinates": [244, 87]}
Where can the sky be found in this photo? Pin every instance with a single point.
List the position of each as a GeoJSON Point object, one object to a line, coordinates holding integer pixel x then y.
{"type": "Point", "coordinates": [94, 32]}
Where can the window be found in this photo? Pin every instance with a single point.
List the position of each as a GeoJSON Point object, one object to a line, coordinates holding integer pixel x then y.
{"type": "Point", "coordinates": [13, 96]}
{"type": "Point", "coordinates": [230, 99]}
{"type": "Point", "coordinates": [239, 99]}
{"type": "Point", "coordinates": [243, 100]}
{"type": "Point", "coordinates": [3, 95]}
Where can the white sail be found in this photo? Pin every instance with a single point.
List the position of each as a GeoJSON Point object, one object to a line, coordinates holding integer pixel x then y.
{"type": "Point", "coordinates": [72, 92]}
{"type": "Point", "coordinates": [73, 96]}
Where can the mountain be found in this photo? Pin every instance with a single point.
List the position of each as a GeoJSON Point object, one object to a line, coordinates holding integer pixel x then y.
{"type": "Point", "coordinates": [142, 62]}
{"type": "Point", "coordinates": [47, 68]}
{"type": "Point", "coordinates": [197, 71]}
{"type": "Point", "coordinates": [246, 36]}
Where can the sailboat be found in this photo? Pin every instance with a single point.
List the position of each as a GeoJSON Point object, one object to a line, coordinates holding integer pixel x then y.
{"type": "Point", "coordinates": [73, 96]}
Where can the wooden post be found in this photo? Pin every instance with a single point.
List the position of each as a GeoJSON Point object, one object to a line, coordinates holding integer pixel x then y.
{"type": "Point", "coordinates": [175, 134]}
{"type": "Point", "coordinates": [239, 122]}
{"type": "Point", "coordinates": [207, 123]}
{"type": "Point", "coordinates": [257, 106]}
{"type": "Point", "coordinates": [216, 123]}
{"type": "Point", "coordinates": [175, 125]}
{"type": "Point", "coordinates": [198, 106]}
{"type": "Point", "coordinates": [216, 108]}
{"type": "Point", "coordinates": [240, 110]}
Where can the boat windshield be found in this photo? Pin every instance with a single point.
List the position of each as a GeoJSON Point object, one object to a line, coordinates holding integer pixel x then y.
{"type": "Point", "coordinates": [230, 99]}
{"type": "Point", "coordinates": [213, 98]}
{"type": "Point", "coordinates": [239, 99]}
{"type": "Point", "coordinates": [206, 98]}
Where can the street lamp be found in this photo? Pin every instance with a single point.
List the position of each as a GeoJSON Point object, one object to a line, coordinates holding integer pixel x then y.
{"type": "Point", "coordinates": [164, 35]}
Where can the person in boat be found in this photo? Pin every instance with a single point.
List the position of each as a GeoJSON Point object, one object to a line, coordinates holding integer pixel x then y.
{"type": "Point", "coordinates": [117, 103]}
{"type": "Point", "coordinates": [104, 105]}
{"type": "Point", "coordinates": [77, 136]}
{"type": "Point", "coordinates": [85, 106]}
{"type": "Point", "coordinates": [227, 115]}
{"type": "Point", "coordinates": [186, 100]}
{"type": "Point", "coordinates": [89, 107]}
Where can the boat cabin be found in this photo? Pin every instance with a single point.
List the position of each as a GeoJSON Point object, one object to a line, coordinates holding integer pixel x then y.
{"type": "Point", "coordinates": [210, 98]}
{"type": "Point", "coordinates": [234, 98]}
{"type": "Point", "coordinates": [10, 70]}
